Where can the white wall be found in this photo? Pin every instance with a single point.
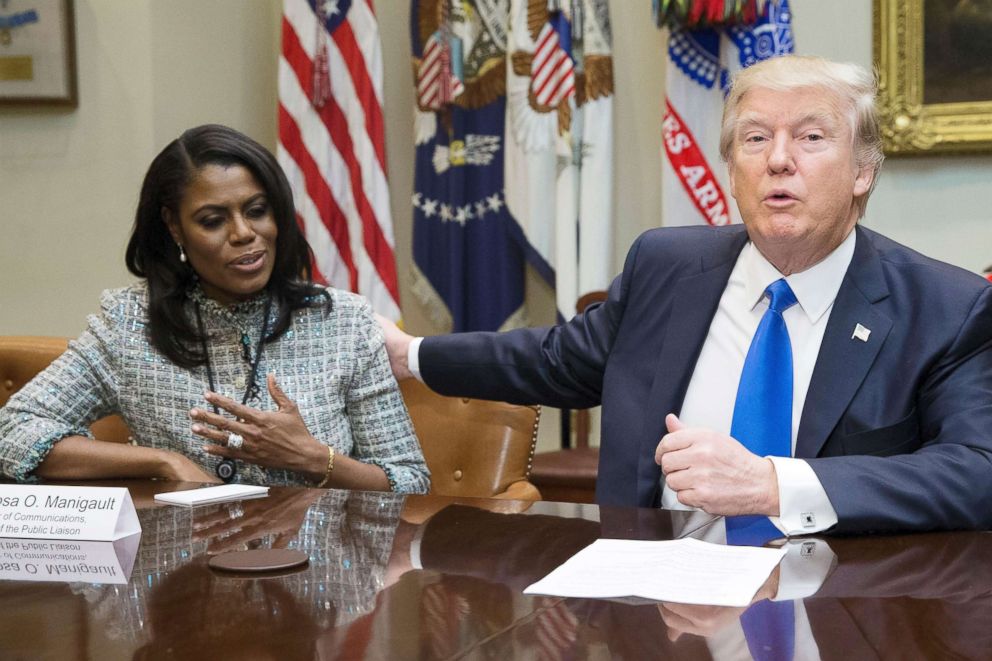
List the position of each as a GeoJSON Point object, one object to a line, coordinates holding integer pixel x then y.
{"type": "Point", "coordinates": [938, 205]}
{"type": "Point", "coordinates": [150, 68]}
{"type": "Point", "coordinates": [69, 181]}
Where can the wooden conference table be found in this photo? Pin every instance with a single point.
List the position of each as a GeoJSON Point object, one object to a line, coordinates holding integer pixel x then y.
{"type": "Point", "coordinates": [434, 578]}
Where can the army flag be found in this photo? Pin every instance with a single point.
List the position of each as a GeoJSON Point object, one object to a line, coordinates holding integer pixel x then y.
{"type": "Point", "coordinates": [701, 64]}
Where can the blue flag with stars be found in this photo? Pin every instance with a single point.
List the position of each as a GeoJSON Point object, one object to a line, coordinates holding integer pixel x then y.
{"type": "Point", "coordinates": [466, 249]}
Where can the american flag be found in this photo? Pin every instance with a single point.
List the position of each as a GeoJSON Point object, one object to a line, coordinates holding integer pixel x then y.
{"type": "Point", "coordinates": [552, 70]}
{"type": "Point", "coordinates": [332, 144]}
{"type": "Point", "coordinates": [436, 84]}
{"type": "Point", "coordinates": [556, 629]}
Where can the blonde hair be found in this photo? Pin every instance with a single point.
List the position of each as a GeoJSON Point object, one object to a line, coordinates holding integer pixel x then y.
{"type": "Point", "coordinates": [854, 87]}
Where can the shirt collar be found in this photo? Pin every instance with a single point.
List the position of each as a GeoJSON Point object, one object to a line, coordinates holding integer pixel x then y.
{"type": "Point", "coordinates": [238, 314]}
{"type": "Point", "coordinates": [815, 288]}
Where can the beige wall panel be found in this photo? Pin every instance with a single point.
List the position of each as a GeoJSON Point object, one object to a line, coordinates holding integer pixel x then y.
{"type": "Point", "coordinates": [150, 68]}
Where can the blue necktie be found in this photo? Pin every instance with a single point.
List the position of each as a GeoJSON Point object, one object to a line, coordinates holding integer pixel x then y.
{"type": "Point", "coordinates": [769, 626]}
{"type": "Point", "coordinates": [763, 410]}
{"type": "Point", "coordinates": [763, 424]}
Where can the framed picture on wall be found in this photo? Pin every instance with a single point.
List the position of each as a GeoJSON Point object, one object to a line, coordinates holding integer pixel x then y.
{"type": "Point", "coordinates": [934, 59]}
{"type": "Point", "coordinates": [37, 53]}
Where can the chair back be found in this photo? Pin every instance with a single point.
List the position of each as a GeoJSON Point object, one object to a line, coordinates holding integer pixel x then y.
{"type": "Point", "coordinates": [582, 415]}
{"type": "Point", "coordinates": [23, 356]}
{"type": "Point", "coordinates": [473, 447]}
{"type": "Point", "coordinates": [569, 474]}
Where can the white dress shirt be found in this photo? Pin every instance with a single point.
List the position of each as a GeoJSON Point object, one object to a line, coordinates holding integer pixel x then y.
{"type": "Point", "coordinates": [802, 571]}
{"type": "Point", "coordinates": [709, 401]}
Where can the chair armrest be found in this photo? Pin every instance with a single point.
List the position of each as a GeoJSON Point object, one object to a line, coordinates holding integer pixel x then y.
{"type": "Point", "coordinates": [520, 490]}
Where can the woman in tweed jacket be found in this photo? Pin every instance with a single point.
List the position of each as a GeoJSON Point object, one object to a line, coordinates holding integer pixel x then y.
{"type": "Point", "coordinates": [225, 358]}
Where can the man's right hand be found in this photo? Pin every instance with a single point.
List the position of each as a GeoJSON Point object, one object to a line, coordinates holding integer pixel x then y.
{"type": "Point", "coordinates": [706, 621]}
{"type": "Point", "coordinates": [397, 346]}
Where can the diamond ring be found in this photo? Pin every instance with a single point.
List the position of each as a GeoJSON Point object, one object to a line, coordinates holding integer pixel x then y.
{"type": "Point", "coordinates": [235, 440]}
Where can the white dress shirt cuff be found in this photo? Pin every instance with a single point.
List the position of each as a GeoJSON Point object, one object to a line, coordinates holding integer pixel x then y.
{"type": "Point", "coordinates": [415, 544]}
{"type": "Point", "coordinates": [806, 564]}
{"type": "Point", "coordinates": [802, 502]}
{"type": "Point", "coordinates": [413, 358]}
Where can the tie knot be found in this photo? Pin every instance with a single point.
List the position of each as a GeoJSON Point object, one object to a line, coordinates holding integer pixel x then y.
{"type": "Point", "coordinates": [780, 296]}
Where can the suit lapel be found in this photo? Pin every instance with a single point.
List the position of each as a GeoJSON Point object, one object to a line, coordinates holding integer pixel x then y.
{"type": "Point", "coordinates": [844, 358]}
{"type": "Point", "coordinates": [694, 301]}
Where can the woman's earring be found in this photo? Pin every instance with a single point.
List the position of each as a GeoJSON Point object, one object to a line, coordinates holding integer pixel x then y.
{"type": "Point", "coordinates": [182, 254]}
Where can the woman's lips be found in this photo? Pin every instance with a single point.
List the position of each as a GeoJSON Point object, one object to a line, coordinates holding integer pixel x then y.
{"type": "Point", "coordinates": [250, 262]}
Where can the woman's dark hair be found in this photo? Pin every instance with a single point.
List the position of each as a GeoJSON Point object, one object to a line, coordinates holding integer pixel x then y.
{"type": "Point", "coordinates": [152, 254]}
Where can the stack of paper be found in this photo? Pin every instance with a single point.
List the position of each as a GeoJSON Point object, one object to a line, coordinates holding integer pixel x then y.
{"type": "Point", "coordinates": [207, 495]}
{"type": "Point", "coordinates": [685, 571]}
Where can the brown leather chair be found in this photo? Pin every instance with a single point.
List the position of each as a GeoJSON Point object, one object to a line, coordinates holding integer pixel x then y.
{"type": "Point", "coordinates": [473, 447]}
{"type": "Point", "coordinates": [23, 356]}
{"type": "Point", "coordinates": [569, 475]}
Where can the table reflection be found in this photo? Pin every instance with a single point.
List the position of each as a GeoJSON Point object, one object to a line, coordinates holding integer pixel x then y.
{"type": "Point", "coordinates": [910, 596]}
{"type": "Point", "coordinates": [179, 608]}
{"type": "Point", "coordinates": [429, 577]}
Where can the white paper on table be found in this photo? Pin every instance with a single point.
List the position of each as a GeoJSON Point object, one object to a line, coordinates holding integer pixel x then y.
{"type": "Point", "coordinates": [685, 571]}
{"type": "Point", "coordinates": [207, 495]}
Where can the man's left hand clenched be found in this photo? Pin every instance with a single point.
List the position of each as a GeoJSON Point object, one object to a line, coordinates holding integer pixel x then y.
{"type": "Point", "coordinates": [715, 473]}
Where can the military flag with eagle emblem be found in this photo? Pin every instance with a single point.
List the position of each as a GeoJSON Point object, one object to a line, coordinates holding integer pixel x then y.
{"type": "Point", "coordinates": [559, 151]}
{"type": "Point", "coordinates": [468, 263]}
{"type": "Point", "coordinates": [707, 44]}
{"type": "Point", "coordinates": [514, 155]}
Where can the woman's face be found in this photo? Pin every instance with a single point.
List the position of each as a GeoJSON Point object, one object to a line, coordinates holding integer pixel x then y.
{"type": "Point", "coordinates": [225, 225]}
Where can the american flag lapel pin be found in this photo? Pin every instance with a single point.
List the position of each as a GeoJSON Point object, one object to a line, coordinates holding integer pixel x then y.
{"type": "Point", "coordinates": [861, 333]}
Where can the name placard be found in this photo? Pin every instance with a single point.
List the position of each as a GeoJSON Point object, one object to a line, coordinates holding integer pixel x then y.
{"type": "Point", "coordinates": [68, 561]}
{"type": "Point", "coordinates": [83, 513]}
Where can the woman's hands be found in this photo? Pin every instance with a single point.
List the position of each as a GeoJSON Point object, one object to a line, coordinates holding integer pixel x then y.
{"type": "Point", "coordinates": [81, 458]}
{"type": "Point", "coordinates": [181, 468]}
{"type": "Point", "coordinates": [274, 439]}
{"type": "Point", "coordinates": [231, 527]}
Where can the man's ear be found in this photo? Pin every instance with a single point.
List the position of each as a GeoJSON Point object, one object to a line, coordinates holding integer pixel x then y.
{"type": "Point", "coordinates": [172, 223]}
{"type": "Point", "coordinates": [730, 178]}
{"type": "Point", "coordinates": [863, 180]}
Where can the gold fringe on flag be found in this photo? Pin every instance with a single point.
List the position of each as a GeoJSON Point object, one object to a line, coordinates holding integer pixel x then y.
{"type": "Point", "coordinates": [694, 14]}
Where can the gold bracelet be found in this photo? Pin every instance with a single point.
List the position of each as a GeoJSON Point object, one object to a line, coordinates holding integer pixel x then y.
{"type": "Point", "coordinates": [330, 467]}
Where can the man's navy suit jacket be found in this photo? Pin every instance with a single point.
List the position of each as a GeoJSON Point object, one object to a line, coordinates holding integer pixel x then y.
{"type": "Point", "coordinates": [898, 428]}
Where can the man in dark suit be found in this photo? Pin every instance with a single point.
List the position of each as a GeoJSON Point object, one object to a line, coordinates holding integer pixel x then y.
{"type": "Point", "coordinates": [887, 382]}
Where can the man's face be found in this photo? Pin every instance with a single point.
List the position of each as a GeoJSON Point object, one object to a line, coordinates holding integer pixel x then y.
{"type": "Point", "coordinates": [793, 174]}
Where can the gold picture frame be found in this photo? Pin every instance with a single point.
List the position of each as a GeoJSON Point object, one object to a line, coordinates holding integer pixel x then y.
{"type": "Point", "coordinates": [956, 115]}
{"type": "Point", "coordinates": [38, 53]}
